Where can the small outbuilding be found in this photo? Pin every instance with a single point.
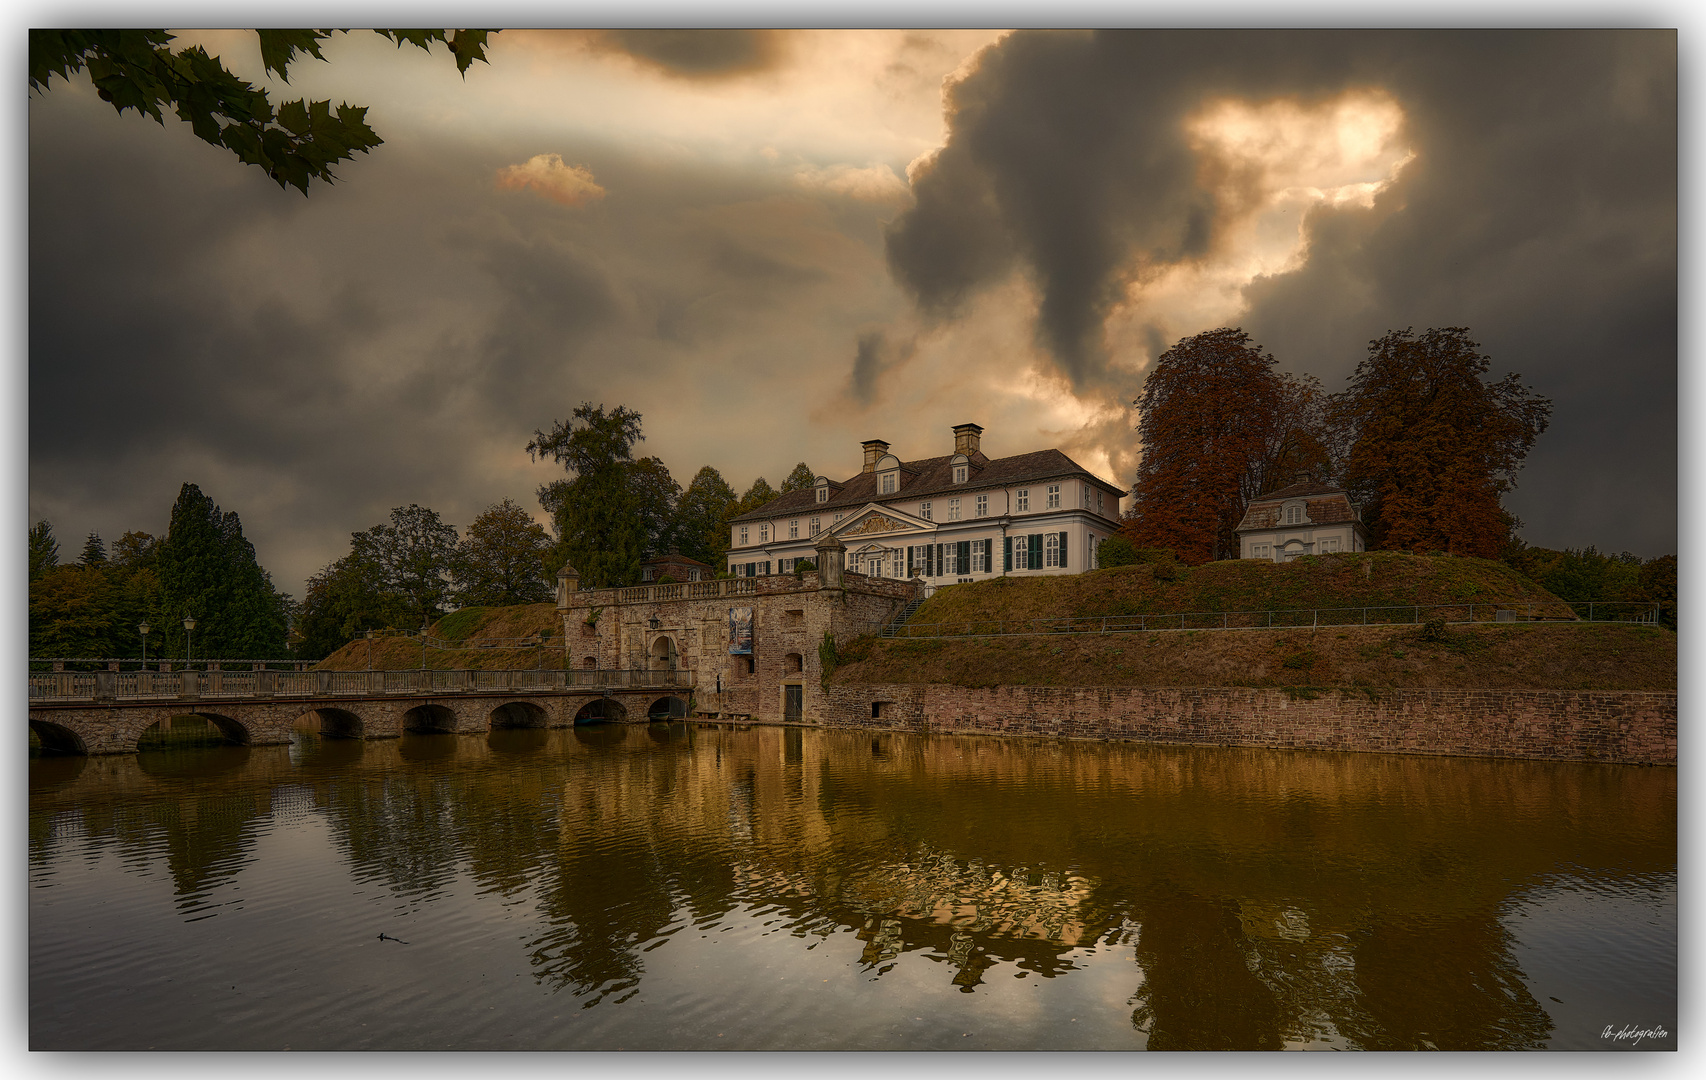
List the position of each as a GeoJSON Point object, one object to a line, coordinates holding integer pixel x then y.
{"type": "Point", "coordinates": [678, 566]}
{"type": "Point", "coordinates": [1305, 518]}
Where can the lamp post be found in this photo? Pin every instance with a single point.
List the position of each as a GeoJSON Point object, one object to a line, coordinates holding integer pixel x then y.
{"type": "Point", "coordinates": [189, 637]}
{"type": "Point", "coordinates": [143, 630]}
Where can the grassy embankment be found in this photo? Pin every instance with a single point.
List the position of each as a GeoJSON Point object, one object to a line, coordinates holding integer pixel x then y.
{"type": "Point", "coordinates": [1538, 656]}
{"type": "Point", "coordinates": [470, 626]}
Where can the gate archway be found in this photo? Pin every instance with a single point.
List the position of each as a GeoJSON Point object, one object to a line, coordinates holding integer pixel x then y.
{"type": "Point", "coordinates": [663, 654]}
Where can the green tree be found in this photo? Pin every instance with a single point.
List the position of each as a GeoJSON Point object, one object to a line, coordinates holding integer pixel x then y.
{"type": "Point", "coordinates": [1219, 427]}
{"type": "Point", "coordinates": [800, 479]}
{"type": "Point", "coordinates": [74, 613]}
{"type": "Point", "coordinates": [44, 549]}
{"type": "Point", "coordinates": [207, 570]}
{"type": "Point", "coordinates": [502, 558]}
{"type": "Point", "coordinates": [700, 516]}
{"type": "Point", "coordinates": [94, 551]}
{"type": "Point", "coordinates": [295, 144]}
{"type": "Point", "coordinates": [1430, 446]}
{"type": "Point", "coordinates": [136, 550]}
{"type": "Point", "coordinates": [659, 496]}
{"type": "Point", "coordinates": [599, 513]}
{"type": "Point", "coordinates": [413, 560]}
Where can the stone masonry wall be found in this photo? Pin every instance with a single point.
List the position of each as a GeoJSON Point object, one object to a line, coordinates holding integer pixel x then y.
{"type": "Point", "coordinates": [1636, 728]}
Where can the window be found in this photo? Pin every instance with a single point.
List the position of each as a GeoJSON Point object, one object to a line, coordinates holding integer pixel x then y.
{"type": "Point", "coordinates": [1261, 551]}
{"type": "Point", "coordinates": [1098, 500]}
{"type": "Point", "coordinates": [1331, 543]}
{"type": "Point", "coordinates": [1051, 549]}
{"type": "Point", "coordinates": [1086, 496]}
{"type": "Point", "coordinates": [764, 534]}
{"type": "Point", "coordinates": [743, 535]}
{"type": "Point", "coordinates": [953, 509]}
{"type": "Point", "coordinates": [794, 529]}
{"type": "Point", "coordinates": [1024, 501]}
{"type": "Point", "coordinates": [1294, 515]}
{"type": "Point", "coordinates": [983, 506]}
{"type": "Point", "coordinates": [980, 556]}
{"type": "Point", "coordinates": [646, 574]}
{"type": "Point", "coordinates": [1021, 553]}
{"type": "Point", "coordinates": [838, 517]}
{"type": "Point", "coordinates": [959, 474]}
{"type": "Point", "coordinates": [823, 493]}
{"type": "Point", "coordinates": [817, 526]}
{"type": "Point", "coordinates": [924, 511]}
{"type": "Point", "coordinates": [1094, 561]}
{"type": "Point", "coordinates": [1054, 497]}
{"type": "Point", "coordinates": [888, 483]}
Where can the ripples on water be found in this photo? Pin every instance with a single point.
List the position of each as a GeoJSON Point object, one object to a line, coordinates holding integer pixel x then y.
{"type": "Point", "coordinates": [690, 887]}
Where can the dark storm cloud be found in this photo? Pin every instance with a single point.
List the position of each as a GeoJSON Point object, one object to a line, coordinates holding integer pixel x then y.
{"type": "Point", "coordinates": [1539, 211]}
{"type": "Point", "coordinates": [696, 54]}
{"type": "Point", "coordinates": [396, 338]}
{"type": "Point", "coordinates": [875, 355]}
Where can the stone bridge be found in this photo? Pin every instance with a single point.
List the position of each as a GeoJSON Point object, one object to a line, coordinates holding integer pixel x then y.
{"type": "Point", "coordinates": [108, 712]}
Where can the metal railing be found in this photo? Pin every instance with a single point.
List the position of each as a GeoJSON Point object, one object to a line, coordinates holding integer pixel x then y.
{"type": "Point", "coordinates": [167, 686]}
{"type": "Point", "coordinates": [1294, 618]}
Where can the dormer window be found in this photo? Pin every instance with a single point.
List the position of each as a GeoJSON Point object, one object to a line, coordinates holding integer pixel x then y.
{"type": "Point", "coordinates": [961, 467]}
{"type": "Point", "coordinates": [822, 489]}
{"type": "Point", "coordinates": [1294, 514]}
{"type": "Point", "coordinates": [959, 474]}
{"type": "Point", "coordinates": [888, 483]}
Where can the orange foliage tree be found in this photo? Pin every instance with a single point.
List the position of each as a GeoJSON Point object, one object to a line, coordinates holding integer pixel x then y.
{"type": "Point", "coordinates": [1430, 446]}
{"type": "Point", "coordinates": [1219, 427]}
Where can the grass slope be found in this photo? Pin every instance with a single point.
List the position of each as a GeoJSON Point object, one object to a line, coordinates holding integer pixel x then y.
{"type": "Point", "coordinates": [469, 626]}
{"type": "Point", "coordinates": [1522, 656]}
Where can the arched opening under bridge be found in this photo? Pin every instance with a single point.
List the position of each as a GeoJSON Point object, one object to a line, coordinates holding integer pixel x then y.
{"type": "Point", "coordinates": [601, 710]}
{"type": "Point", "coordinates": [518, 714]}
{"type": "Point", "coordinates": [667, 708]}
{"type": "Point", "coordinates": [429, 719]}
{"type": "Point", "coordinates": [57, 739]}
{"type": "Point", "coordinates": [190, 731]}
{"type": "Point", "coordinates": [339, 724]}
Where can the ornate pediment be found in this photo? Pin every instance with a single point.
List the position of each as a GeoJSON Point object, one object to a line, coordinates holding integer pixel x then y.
{"type": "Point", "coordinates": [875, 519]}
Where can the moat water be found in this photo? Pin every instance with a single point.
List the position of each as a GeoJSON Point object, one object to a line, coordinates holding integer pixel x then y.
{"type": "Point", "coordinates": [681, 886]}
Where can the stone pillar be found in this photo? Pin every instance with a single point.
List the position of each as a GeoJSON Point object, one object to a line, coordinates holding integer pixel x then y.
{"type": "Point", "coordinates": [568, 583]}
{"type": "Point", "coordinates": [831, 561]}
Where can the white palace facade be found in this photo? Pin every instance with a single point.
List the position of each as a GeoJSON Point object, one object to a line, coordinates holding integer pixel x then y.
{"type": "Point", "coordinates": [958, 517]}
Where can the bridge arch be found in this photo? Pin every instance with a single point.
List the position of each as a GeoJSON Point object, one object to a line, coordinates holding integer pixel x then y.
{"type": "Point", "coordinates": [340, 723]}
{"type": "Point", "coordinates": [518, 714]}
{"type": "Point", "coordinates": [601, 709]}
{"type": "Point", "coordinates": [429, 718]}
{"type": "Point", "coordinates": [235, 731]}
{"type": "Point", "coordinates": [672, 707]}
{"type": "Point", "coordinates": [57, 738]}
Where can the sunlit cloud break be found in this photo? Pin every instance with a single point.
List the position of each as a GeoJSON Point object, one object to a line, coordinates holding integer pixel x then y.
{"type": "Point", "coordinates": [546, 174]}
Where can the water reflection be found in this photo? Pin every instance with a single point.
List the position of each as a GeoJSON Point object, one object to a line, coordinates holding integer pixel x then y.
{"type": "Point", "coordinates": [1266, 899]}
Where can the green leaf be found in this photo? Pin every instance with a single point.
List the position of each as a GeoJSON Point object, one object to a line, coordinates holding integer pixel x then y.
{"type": "Point", "coordinates": [279, 48]}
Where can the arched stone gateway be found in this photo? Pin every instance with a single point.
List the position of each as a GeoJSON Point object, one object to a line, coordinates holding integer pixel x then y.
{"type": "Point", "coordinates": [518, 714]}
{"type": "Point", "coordinates": [429, 718]}
{"type": "Point", "coordinates": [667, 708]}
{"type": "Point", "coordinates": [663, 655]}
{"type": "Point", "coordinates": [601, 710]}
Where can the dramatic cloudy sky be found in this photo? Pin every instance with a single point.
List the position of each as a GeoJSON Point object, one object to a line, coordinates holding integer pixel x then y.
{"type": "Point", "coordinates": [775, 245]}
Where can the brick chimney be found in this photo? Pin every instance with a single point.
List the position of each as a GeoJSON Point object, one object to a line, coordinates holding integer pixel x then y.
{"type": "Point", "coordinates": [966, 438]}
{"type": "Point", "coordinates": [874, 449]}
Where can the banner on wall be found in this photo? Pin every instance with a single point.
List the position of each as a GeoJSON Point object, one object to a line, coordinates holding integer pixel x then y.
{"type": "Point", "coordinates": [740, 631]}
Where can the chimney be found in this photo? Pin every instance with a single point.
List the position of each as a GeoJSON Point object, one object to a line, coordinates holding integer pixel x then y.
{"type": "Point", "coordinates": [966, 438]}
{"type": "Point", "coordinates": [874, 449]}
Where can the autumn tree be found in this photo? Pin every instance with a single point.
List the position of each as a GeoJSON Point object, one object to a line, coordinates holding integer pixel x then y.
{"type": "Point", "coordinates": [207, 569]}
{"type": "Point", "coordinates": [1219, 427]}
{"type": "Point", "coordinates": [1430, 446]}
{"type": "Point", "coordinates": [599, 510]}
{"type": "Point", "coordinates": [296, 143]}
{"type": "Point", "coordinates": [502, 558]}
{"type": "Point", "coordinates": [700, 516]}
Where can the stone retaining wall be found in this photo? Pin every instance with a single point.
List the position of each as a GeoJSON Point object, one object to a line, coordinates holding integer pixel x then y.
{"type": "Point", "coordinates": [1626, 727]}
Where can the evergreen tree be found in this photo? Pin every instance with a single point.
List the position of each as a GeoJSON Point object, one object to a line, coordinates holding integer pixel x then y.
{"type": "Point", "coordinates": [208, 571]}
{"type": "Point", "coordinates": [94, 551]}
{"type": "Point", "coordinates": [659, 495]}
{"type": "Point", "coordinates": [44, 550]}
{"type": "Point", "coordinates": [700, 515]}
{"type": "Point", "coordinates": [599, 511]}
{"type": "Point", "coordinates": [502, 559]}
{"type": "Point", "coordinates": [800, 479]}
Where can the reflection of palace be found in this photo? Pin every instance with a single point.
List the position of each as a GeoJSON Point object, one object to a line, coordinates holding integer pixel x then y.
{"type": "Point", "coordinates": [958, 517]}
{"type": "Point", "coordinates": [1368, 911]}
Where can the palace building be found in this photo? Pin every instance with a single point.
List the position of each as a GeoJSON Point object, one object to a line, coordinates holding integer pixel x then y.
{"type": "Point", "coordinates": [958, 517]}
{"type": "Point", "coordinates": [1306, 518]}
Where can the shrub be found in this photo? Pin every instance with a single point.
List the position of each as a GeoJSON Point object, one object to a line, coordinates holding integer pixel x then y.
{"type": "Point", "coordinates": [1115, 551]}
{"type": "Point", "coordinates": [665, 579]}
{"type": "Point", "coordinates": [802, 566]}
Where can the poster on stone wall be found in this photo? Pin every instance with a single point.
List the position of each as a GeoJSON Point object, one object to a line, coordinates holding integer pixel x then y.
{"type": "Point", "coordinates": [740, 631]}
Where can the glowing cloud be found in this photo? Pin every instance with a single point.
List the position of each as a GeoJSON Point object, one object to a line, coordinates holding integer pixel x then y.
{"type": "Point", "coordinates": [571, 185]}
{"type": "Point", "coordinates": [877, 183]}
